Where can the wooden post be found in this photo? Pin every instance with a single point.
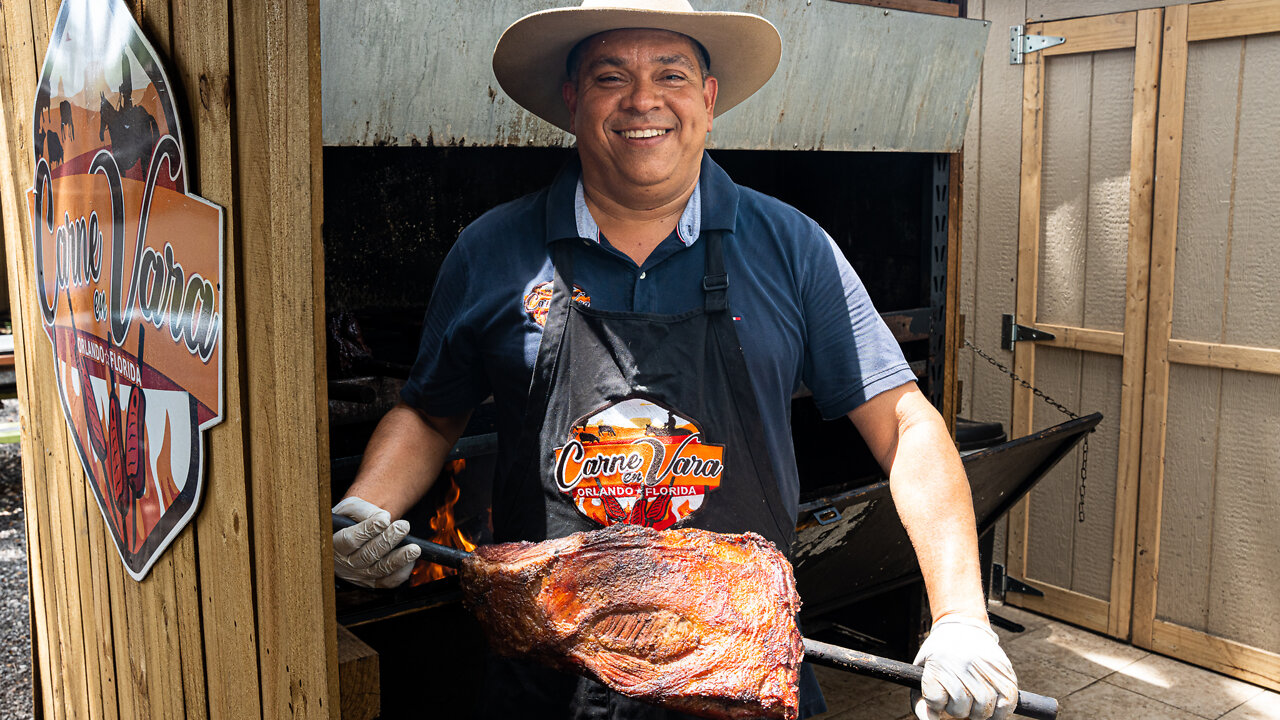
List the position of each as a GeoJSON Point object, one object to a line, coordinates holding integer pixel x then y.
{"type": "Point", "coordinates": [236, 619]}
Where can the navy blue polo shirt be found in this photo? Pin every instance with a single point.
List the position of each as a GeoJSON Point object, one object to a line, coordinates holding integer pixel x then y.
{"type": "Point", "coordinates": [801, 313]}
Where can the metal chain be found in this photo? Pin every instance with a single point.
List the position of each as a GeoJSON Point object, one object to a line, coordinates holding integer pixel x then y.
{"type": "Point", "coordinates": [1084, 451]}
{"type": "Point", "coordinates": [1084, 474]}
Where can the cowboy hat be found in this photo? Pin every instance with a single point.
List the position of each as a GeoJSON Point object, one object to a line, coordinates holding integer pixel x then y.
{"type": "Point", "coordinates": [529, 60]}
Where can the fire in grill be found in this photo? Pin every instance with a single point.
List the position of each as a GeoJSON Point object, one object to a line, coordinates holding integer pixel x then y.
{"type": "Point", "coordinates": [445, 530]}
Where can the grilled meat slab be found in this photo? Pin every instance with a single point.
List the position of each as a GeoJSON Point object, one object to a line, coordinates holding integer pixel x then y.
{"type": "Point", "coordinates": [695, 621]}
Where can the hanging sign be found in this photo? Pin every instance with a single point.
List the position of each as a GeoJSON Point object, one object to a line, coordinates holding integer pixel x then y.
{"type": "Point", "coordinates": [128, 268]}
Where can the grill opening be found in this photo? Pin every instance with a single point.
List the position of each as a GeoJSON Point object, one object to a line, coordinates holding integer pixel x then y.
{"type": "Point", "coordinates": [387, 229]}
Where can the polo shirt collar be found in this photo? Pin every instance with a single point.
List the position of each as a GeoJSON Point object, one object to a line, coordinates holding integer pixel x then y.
{"type": "Point", "coordinates": [713, 205]}
{"type": "Point", "coordinates": [719, 197]}
{"type": "Point", "coordinates": [687, 229]}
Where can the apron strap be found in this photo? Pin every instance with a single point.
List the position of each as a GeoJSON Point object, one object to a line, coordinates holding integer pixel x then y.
{"type": "Point", "coordinates": [715, 282]}
{"type": "Point", "coordinates": [726, 335]}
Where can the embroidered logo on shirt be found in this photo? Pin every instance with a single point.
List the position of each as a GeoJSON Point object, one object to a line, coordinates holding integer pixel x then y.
{"type": "Point", "coordinates": [637, 462]}
{"type": "Point", "coordinates": [538, 301]}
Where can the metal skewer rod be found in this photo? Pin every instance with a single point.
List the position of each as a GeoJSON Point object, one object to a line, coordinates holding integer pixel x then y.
{"type": "Point", "coordinates": [434, 552]}
{"type": "Point", "coordinates": [1030, 705]}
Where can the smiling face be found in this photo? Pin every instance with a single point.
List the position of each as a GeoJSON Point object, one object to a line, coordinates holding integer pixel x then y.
{"type": "Point", "coordinates": [641, 109]}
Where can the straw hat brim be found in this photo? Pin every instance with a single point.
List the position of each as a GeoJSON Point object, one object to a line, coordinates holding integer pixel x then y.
{"type": "Point", "coordinates": [529, 60]}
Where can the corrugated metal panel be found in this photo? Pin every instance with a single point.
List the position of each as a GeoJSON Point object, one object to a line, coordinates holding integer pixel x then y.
{"type": "Point", "coordinates": [852, 77]}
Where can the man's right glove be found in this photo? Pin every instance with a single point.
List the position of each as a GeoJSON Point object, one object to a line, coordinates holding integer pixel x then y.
{"type": "Point", "coordinates": [966, 674]}
{"type": "Point", "coordinates": [366, 553]}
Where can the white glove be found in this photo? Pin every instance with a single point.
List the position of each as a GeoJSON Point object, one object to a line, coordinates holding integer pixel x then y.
{"type": "Point", "coordinates": [366, 553]}
{"type": "Point", "coordinates": [966, 674]}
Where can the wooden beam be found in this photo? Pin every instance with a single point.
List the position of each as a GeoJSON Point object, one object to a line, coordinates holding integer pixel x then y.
{"type": "Point", "coordinates": [359, 677]}
{"type": "Point", "coordinates": [82, 503]}
{"type": "Point", "coordinates": [1073, 607]}
{"type": "Point", "coordinates": [1027, 276]}
{"type": "Point", "coordinates": [17, 76]}
{"type": "Point", "coordinates": [1227, 357]}
{"type": "Point", "coordinates": [191, 632]}
{"type": "Point", "coordinates": [1232, 18]}
{"type": "Point", "coordinates": [1091, 34]}
{"type": "Point", "coordinates": [1142, 159]}
{"type": "Point", "coordinates": [58, 471]}
{"type": "Point", "coordinates": [202, 61]}
{"type": "Point", "coordinates": [1106, 342]}
{"type": "Point", "coordinates": [162, 637]}
{"type": "Point", "coordinates": [101, 552]}
{"type": "Point", "coordinates": [169, 595]}
{"type": "Point", "coordinates": [277, 71]}
{"type": "Point", "coordinates": [1164, 233]}
{"type": "Point", "coordinates": [130, 706]}
{"type": "Point", "coordinates": [133, 659]}
{"type": "Point", "coordinates": [930, 7]}
{"type": "Point", "coordinates": [1228, 657]}
{"type": "Point", "coordinates": [172, 638]}
{"type": "Point", "coordinates": [953, 333]}
{"type": "Point", "coordinates": [1028, 231]}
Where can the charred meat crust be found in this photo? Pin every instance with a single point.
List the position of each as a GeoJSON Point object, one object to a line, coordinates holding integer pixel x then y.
{"type": "Point", "coordinates": [696, 621]}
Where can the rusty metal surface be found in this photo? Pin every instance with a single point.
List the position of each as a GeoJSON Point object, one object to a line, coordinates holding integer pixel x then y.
{"type": "Point", "coordinates": [852, 77]}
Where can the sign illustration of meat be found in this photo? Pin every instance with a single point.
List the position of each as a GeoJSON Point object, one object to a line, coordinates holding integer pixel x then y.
{"type": "Point", "coordinates": [637, 462]}
{"type": "Point", "coordinates": [128, 267]}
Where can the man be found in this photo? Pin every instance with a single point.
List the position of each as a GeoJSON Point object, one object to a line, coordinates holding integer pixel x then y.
{"type": "Point", "coordinates": [645, 295]}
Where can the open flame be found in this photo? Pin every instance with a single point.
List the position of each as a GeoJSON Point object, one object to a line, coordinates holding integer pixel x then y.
{"type": "Point", "coordinates": [444, 529]}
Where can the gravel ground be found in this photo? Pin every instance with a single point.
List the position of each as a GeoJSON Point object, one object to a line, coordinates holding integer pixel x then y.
{"type": "Point", "coordinates": [15, 638]}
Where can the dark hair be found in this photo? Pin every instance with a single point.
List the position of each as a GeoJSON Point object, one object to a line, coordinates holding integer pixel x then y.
{"type": "Point", "coordinates": [573, 63]}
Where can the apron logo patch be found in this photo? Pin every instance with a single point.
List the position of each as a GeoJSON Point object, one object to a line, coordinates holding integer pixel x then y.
{"type": "Point", "coordinates": [637, 462]}
{"type": "Point", "coordinates": [538, 301]}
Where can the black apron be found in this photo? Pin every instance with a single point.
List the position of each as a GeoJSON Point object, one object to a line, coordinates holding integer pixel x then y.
{"type": "Point", "coordinates": [642, 418]}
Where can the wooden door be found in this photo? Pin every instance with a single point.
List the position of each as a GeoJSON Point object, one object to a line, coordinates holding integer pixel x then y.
{"type": "Point", "coordinates": [1088, 136]}
{"type": "Point", "coordinates": [1208, 538]}
{"type": "Point", "coordinates": [1190, 381]}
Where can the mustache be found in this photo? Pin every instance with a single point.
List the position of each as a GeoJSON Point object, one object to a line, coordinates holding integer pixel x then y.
{"type": "Point", "coordinates": [630, 121]}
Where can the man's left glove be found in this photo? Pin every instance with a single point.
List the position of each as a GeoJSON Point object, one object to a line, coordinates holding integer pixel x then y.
{"type": "Point", "coordinates": [966, 674]}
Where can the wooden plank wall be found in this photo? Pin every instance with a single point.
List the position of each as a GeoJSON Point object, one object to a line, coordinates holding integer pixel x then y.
{"type": "Point", "coordinates": [992, 162]}
{"type": "Point", "coordinates": [1077, 275]}
{"type": "Point", "coordinates": [990, 221]}
{"type": "Point", "coordinates": [1218, 487]}
{"type": "Point", "coordinates": [236, 618]}
{"type": "Point", "coordinates": [1211, 345]}
{"type": "Point", "coordinates": [1086, 135]}
{"type": "Point", "coordinates": [1212, 353]}
{"type": "Point", "coordinates": [1042, 10]}
{"type": "Point", "coordinates": [992, 173]}
{"type": "Point", "coordinates": [1083, 247]}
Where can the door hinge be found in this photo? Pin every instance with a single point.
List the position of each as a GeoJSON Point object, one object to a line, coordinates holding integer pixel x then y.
{"type": "Point", "coordinates": [1011, 332]}
{"type": "Point", "coordinates": [1002, 582]}
{"type": "Point", "coordinates": [1021, 44]}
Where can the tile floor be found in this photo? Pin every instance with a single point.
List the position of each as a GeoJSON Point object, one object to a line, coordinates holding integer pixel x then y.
{"type": "Point", "coordinates": [1093, 678]}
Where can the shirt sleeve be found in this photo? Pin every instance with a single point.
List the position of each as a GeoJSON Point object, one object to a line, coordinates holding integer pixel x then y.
{"type": "Point", "coordinates": [850, 354]}
{"type": "Point", "coordinates": [448, 375]}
